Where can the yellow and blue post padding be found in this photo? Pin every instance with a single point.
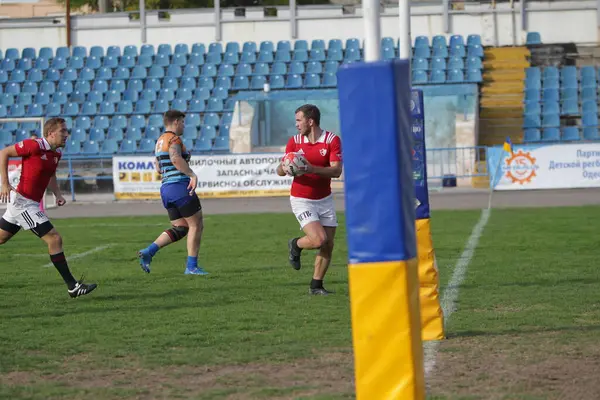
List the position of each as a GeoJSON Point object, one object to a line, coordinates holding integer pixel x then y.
{"type": "Point", "coordinates": [432, 318]}
{"type": "Point", "coordinates": [375, 120]}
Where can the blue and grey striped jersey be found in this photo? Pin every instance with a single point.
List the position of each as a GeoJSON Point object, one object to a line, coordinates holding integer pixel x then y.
{"type": "Point", "coordinates": [168, 171]}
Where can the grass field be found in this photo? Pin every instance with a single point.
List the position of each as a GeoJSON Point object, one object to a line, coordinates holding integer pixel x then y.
{"type": "Point", "coordinates": [526, 326]}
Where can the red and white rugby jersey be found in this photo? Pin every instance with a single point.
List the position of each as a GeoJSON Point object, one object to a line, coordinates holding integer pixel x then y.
{"type": "Point", "coordinates": [327, 149]}
{"type": "Point", "coordinates": [38, 165]}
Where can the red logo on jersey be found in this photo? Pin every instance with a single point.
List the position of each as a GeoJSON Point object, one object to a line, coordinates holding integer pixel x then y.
{"type": "Point", "coordinates": [323, 152]}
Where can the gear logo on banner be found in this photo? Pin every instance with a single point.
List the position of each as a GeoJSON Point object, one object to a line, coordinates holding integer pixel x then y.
{"type": "Point", "coordinates": [520, 167]}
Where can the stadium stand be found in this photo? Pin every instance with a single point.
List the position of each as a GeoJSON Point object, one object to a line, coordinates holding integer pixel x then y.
{"type": "Point", "coordinates": [560, 98]}
{"type": "Point", "coordinates": [113, 97]}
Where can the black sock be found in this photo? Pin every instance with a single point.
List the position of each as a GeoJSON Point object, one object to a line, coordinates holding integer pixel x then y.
{"type": "Point", "coordinates": [295, 245]}
{"type": "Point", "coordinates": [60, 262]}
{"type": "Point", "coordinates": [316, 284]}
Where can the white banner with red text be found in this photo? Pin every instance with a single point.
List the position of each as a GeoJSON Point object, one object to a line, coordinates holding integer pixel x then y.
{"type": "Point", "coordinates": [228, 175]}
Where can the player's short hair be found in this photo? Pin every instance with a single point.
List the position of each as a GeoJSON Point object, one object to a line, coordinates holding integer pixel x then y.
{"type": "Point", "coordinates": [310, 111]}
{"type": "Point", "coordinates": [171, 116]}
{"type": "Point", "coordinates": [53, 124]}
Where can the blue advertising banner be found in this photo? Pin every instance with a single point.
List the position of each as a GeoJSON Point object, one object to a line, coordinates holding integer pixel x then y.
{"type": "Point", "coordinates": [419, 154]}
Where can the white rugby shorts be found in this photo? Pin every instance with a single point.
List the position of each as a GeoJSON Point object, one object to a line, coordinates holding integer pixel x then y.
{"type": "Point", "coordinates": [308, 210]}
{"type": "Point", "coordinates": [24, 212]}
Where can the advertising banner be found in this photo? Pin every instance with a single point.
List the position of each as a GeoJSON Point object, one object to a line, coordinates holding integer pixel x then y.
{"type": "Point", "coordinates": [229, 175]}
{"type": "Point", "coordinates": [562, 166]}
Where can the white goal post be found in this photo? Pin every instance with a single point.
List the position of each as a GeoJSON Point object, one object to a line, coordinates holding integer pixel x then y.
{"type": "Point", "coordinates": [14, 170]}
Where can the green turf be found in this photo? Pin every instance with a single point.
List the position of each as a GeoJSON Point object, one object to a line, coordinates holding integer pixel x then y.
{"type": "Point", "coordinates": [237, 331]}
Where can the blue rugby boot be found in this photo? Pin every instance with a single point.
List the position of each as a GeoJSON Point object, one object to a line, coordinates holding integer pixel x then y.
{"type": "Point", "coordinates": [145, 260]}
{"type": "Point", "coordinates": [195, 271]}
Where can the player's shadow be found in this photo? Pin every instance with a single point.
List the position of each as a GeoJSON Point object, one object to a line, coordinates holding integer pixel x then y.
{"type": "Point", "coordinates": [303, 283]}
{"type": "Point", "coordinates": [523, 332]}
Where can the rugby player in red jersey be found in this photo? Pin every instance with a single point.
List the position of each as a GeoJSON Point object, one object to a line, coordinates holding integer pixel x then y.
{"type": "Point", "coordinates": [310, 197]}
{"type": "Point", "coordinates": [40, 158]}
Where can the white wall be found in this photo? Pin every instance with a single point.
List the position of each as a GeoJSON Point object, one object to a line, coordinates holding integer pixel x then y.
{"type": "Point", "coordinates": [577, 22]}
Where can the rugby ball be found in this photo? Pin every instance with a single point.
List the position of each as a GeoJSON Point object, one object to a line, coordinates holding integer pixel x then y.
{"type": "Point", "coordinates": [294, 164]}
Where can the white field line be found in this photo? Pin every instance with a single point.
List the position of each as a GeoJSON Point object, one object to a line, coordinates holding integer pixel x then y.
{"type": "Point", "coordinates": [450, 295]}
{"type": "Point", "coordinates": [81, 255]}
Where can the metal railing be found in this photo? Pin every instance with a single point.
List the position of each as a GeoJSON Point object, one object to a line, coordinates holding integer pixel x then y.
{"type": "Point", "coordinates": [90, 176]}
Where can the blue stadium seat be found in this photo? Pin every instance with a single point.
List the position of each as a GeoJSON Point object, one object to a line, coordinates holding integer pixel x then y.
{"type": "Point", "coordinates": [312, 81]}
{"type": "Point", "coordinates": [97, 51]}
{"type": "Point", "coordinates": [147, 49]}
{"type": "Point", "coordinates": [589, 119]}
{"type": "Point", "coordinates": [352, 43]}
{"type": "Point", "coordinates": [97, 134]}
{"type": "Point", "coordinates": [124, 107]}
{"type": "Point", "coordinates": [294, 81]}
{"type": "Point", "coordinates": [550, 120]}
{"type": "Point", "coordinates": [455, 76]}
{"type": "Point", "coordinates": [211, 119]}
{"type": "Point", "coordinates": [589, 93]}
{"type": "Point", "coordinates": [532, 107]}
{"type": "Point", "coordinates": [570, 107]}
{"type": "Point", "coordinates": [317, 55]}
{"type": "Point", "coordinates": [179, 104]}
{"type": "Point", "coordinates": [197, 106]}
{"type": "Point", "coordinates": [473, 39]}
{"type": "Point", "coordinates": [208, 132]}
{"type": "Point", "coordinates": [258, 82]}
{"type": "Point", "coordinates": [331, 66]}
{"type": "Point", "coordinates": [249, 47]}
{"type": "Point", "coordinates": [570, 133]}
{"type": "Point", "coordinates": [532, 135]}
{"type": "Point", "coordinates": [335, 55]}
{"type": "Point", "coordinates": [438, 63]}
{"type": "Point", "coordinates": [90, 147]}
{"type": "Point", "coordinates": [437, 76]}
{"type": "Point", "coordinates": [241, 83]}
{"type": "Point", "coordinates": [283, 56]}
{"type": "Point", "coordinates": [221, 144]}
{"type": "Point", "coordinates": [532, 121]}
{"type": "Point", "coordinates": [115, 134]}
{"type": "Point", "coordinates": [533, 38]}
{"type": "Point", "coordinates": [109, 146]}
{"type": "Point", "coordinates": [79, 134]}
{"type": "Point", "coordinates": [146, 146]}
{"type": "Point", "coordinates": [160, 106]}
{"type": "Point", "coordinates": [551, 134]}
{"type": "Point", "coordinates": [152, 132]}
{"type": "Point", "coordinates": [203, 145]}
{"type": "Point", "coordinates": [224, 130]}
{"type": "Point", "coordinates": [21, 134]}
{"type": "Point", "coordinates": [591, 133]}
{"type": "Point", "coordinates": [72, 147]}
{"type": "Point", "coordinates": [107, 108]}
{"type": "Point", "coordinates": [296, 67]}
{"type": "Point", "coordinates": [133, 133]}
{"type": "Point", "coordinates": [53, 110]}
{"type": "Point", "coordinates": [419, 77]}
{"type": "Point", "coordinates": [589, 107]}
{"type": "Point", "coordinates": [244, 69]}
{"type": "Point", "coordinates": [329, 80]}
{"type": "Point", "coordinates": [118, 121]}
{"type": "Point", "coordinates": [457, 63]}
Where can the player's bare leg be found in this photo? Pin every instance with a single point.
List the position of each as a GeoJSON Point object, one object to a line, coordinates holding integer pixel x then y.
{"type": "Point", "coordinates": [57, 256]}
{"type": "Point", "coordinates": [179, 229]}
{"type": "Point", "coordinates": [196, 225]}
{"type": "Point", "coordinates": [322, 261]}
{"type": "Point", "coordinates": [5, 236]}
{"type": "Point", "coordinates": [314, 238]}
